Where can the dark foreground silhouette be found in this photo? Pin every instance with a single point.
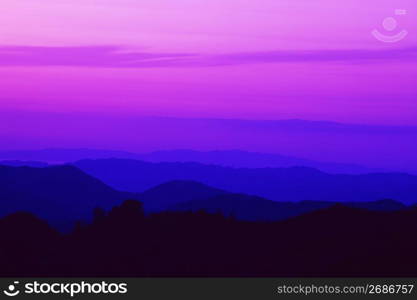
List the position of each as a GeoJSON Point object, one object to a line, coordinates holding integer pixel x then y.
{"type": "Point", "coordinates": [336, 241]}
{"type": "Point", "coordinates": [61, 195]}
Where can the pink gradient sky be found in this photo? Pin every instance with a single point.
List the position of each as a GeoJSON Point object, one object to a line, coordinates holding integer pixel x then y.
{"type": "Point", "coordinates": [265, 59]}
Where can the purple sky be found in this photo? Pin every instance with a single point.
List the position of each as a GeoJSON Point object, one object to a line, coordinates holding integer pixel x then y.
{"type": "Point", "coordinates": [232, 59]}
{"type": "Point", "coordinates": [267, 59]}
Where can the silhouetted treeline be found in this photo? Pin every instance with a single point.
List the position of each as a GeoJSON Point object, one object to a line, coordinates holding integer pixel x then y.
{"type": "Point", "coordinates": [337, 241]}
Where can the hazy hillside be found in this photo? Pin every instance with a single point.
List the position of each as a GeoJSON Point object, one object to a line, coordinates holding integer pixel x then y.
{"type": "Point", "coordinates": [279, 184]}
{"type": "Point", "coordinates": [61, 155]}
{"type": "Point", "coordinates": [163, 196]}
{"type": "Point", "coordinates": [23, 163]}
{"type": "Point", "coordinates": [245, 159]}
{"type": "Point", "coordinates": [58, 194]}
{"type": "Point", "coordinates": [227, 158]}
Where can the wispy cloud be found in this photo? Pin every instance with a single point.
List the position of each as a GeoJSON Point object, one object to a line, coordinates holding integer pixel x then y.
{"type": "Point", "coordinates": [85, 56]}
{"type": "Point", "coordinates": [116, 57]}
{"type": "Point", "coordinates": [363, 56]}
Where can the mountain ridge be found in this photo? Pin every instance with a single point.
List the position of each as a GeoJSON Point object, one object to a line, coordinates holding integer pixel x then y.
{"type": "Point", "coordinates": [61, 194]}
{"type": "Point", "coordinates": [278, 184]}
{"type": "Point", "coordinates": [230, 158]}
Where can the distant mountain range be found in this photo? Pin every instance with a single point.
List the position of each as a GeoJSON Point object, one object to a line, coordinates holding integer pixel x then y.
{"type": "Point", "coordinates": [164, 196]}
{"type": "Point", "coordinates": [59, 156]}
{"type": "Point", "coordinates": [278, 184]}
{"type": "Point", "coordinates": [378, 146]}
{"type": "Point", "coordinates": [189, 196]}
{"type": "Point", "coordinates": [65, 194]}
{"type": "Point", "coordinates": [244, 159]}
{"type": "Point", "coordinates": [23, 163]}
{"type": "Point", "coordinates": [252, 208]}
{"type": "Point", "coordinates": [229, 158]}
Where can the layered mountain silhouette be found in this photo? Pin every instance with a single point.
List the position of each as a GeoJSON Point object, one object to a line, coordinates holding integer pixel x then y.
{"type": "Point", "coordinates": [245, 159]}
{"type": "Point", "coordinates": [203, 220]}
{"type": "Point", "coordinates": [58, 194]}
{"type": "Point", "coordinates": [164, 196]}
{"type": "Point", "coordinates": [389, 147]}
{"type": "Point", "coordinates": [249, 208]}
{"type": "Point", "coordinates": [23, 163]}
{"type": "Point", "coordinates": [252, 208]}
{"type": "Point", "coordinates": [63, 195]}
{"type": "Point", "coordinates": [227, 158]}
{"type": "Point", "coordinates": [386, 205]}
{"type": "Point", "coordinates": [190, 196]}
{"type": "Point", "coordinates": [59, 155]}
{"type": "Point", "coordinates": [336, 241]}
{"type": "Point", "coordinates": [278, 184]}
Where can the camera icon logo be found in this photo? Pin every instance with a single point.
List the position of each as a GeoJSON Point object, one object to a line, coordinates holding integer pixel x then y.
{"type": "Point", "coordinates": [12, 290]}
{"type": "Point", "coordinates": [390, 24]}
